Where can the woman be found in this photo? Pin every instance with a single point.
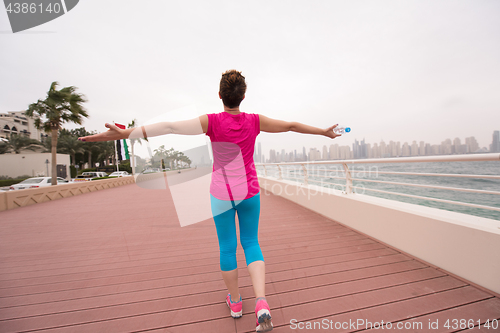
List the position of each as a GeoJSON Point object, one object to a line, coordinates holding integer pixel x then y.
{"type": "Point", "coordinates": [234, 186]}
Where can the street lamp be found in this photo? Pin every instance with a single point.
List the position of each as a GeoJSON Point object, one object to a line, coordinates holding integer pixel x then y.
{"type": "Point", "coordinates": [47, 163]}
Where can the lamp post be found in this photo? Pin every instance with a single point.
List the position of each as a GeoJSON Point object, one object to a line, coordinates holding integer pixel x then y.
{"type": "Point", "coordinates": [47, 164]}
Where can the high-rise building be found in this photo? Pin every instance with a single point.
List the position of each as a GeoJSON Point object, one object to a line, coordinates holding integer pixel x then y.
{"type": "Point", "coordinates": [259, 152]}
{"type": "Point", "coordinates": [421, 148]}
{"type": "Point", "coordinates": [446, 147]}
{"type": "Point", "coordinates": [368, 150]}
{"type": "Point", "coordinates": [414, 149]}
{"type": "Point", "coordinates": [455, 145]}
{"type": "Point", "coordinates": [334, 152]}
{"type": "Point", "coordinates": [383, 149]}
{"type": "Point", "coordinates": [346, 153]}
{"type": "Point", "coordinates": [393, 149]}
{"type": "Point", "coordinates": [495, 143]}
{"type": "Point", "coordinates": [272, 156]}
{"type": "Point", "coordinates": [472, 145]}
{"type": "Point", "coordinates": [359, 149]}
{"type": "Point", "coordinates": [355, 148]}
{"type": "Point", "coordinates": [428, 149]}
{"type": "Point", "coordinates": [325, 153]}
{"type": "Point", "coordinates": [373, 151]}
{"type": "Point", "coordinates": [314, 154]}
{"type": "Point", "coordinates": [405, 151]}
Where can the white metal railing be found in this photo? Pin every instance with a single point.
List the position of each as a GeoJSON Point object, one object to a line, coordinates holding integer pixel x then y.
{"type": "Point", "coordinates": [348, 187]}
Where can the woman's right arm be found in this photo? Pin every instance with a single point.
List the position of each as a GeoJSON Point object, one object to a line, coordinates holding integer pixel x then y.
{"type": "Point", "coordinates": [277, 126]}
{"type": "Point", "coordinates": [193, 126]}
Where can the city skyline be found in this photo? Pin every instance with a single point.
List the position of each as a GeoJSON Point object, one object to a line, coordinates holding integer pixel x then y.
{"type": "Point", "coordinates": [362, 149]}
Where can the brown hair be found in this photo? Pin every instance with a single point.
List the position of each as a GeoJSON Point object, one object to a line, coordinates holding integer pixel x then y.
{"type": "Point", "coordinates": [232, 88]}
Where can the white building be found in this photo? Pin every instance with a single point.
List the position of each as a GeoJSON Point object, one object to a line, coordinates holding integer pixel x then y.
{"type": "Point", "coordinates": [325, 153]}
{"type": "Point", "coordinates": [405, 151]}
{"type": "Point", "coordinates": [414, 149]}
{"type": "Point", "coordinates": [472, 145]}
{"type": "Point", "coordinates": [334, 152]}
{"type": "Point", "coordinates": [18, 124]}
{"type": "Point", "coordinates": [421, 148]}
{"type": "Point", "coordinates": [33, 165]}
{"type": "Point", "coordinates": [446, 147]}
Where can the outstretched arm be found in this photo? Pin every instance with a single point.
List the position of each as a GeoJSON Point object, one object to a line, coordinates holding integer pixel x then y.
{"type": "Point", "coordinates": [276, 126]}
{"type": "Point", "coordinates": [193, 126]}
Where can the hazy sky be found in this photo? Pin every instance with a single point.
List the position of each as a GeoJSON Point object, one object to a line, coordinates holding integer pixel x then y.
{"type": "Point", "coordinates": [391, 70]}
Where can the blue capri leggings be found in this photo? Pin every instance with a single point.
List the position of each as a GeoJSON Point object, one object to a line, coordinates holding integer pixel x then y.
{"type": "Point", "coordinates": [224, 213]}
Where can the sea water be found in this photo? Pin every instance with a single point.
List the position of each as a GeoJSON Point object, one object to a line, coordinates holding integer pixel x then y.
{"type": "Point", "coordinates": [324, 175]}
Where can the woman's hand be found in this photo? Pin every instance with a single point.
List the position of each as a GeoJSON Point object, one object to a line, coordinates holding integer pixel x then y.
{"type": "Point", "coordinates": [330, 133]}
{"type": "Point", "coordinates": [114, 133]}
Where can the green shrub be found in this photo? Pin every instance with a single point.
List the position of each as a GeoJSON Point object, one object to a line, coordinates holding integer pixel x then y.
{"type": "Point", "coordinates": [124, 166]}
{"type": "Point", "coordinates": [86, 170]}
{"type": "Point", "coordinates": [8, 182]}
{"type": "Point", "coordinates": [72, 171]}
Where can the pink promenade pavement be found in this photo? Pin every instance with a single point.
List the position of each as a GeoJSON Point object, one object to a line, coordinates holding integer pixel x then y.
{"type": "Point", "coordinates": [117, 260]}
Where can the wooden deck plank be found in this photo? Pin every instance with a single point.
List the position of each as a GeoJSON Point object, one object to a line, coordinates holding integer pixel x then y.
{"type": "Point", "coordinates": [88, 279]}
{"type": "Point", "coordinates": [458, 318]}
{"type": "Point", "coordinates": [278, 286]}
{"type": "Point", "coordinates": [420, 306]}
{"type": "Point", "coordinates": [300, 244]}
{"type": "Point", "coordinates": [318, 306]}
{"type": "Point", "coordinates": [350, 312]}
{"type": "Point", "coordinates": [346, 262]}
{"type": "Point", "coordinates": [144, 272]}
{"type": "Point", "coordinates": [125, 267]}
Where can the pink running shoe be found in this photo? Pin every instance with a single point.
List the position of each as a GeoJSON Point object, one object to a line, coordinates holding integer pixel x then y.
{"type": "Point", "coordinates": [263, 315]}
{"type": "Point", "coordinates": [236, 308]}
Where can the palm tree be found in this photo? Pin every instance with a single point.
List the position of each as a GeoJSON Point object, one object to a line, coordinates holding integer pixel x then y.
{"type": "Point", "coordinates": [106, 150]}
{"type": "Point", "coordinates": [90, 147]}
{"type": "Point", "coordinates": [58, 107]}
{"type": "Point", "coordinates": [161, 154]}
{"type": "Point", "coordinates": [170, 157]}
{"type": "Point", "coordinates": [176, 156]}
{"type": "Point", "coordinates": [179, 156]}
{"type": "Point", "coordinates": [18, 143]}
{"type": "Point", "coordinates": [70, 144]}
{"type": "Point", "coordinates": [186, 160]}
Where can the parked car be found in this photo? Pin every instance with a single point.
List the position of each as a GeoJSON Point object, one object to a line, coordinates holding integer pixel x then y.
{"type": "Point", "coordinates": [151, 170]}
{"type": "Point", "coordinates": [119, 174]}
{"type": "Point", "coordinates": [89, 175]}
{"type": "Point", "coordinates": [36, 182]}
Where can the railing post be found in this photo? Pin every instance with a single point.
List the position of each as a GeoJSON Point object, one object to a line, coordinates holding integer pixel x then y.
{"type": "Point", "coordinates": [279, 172]}
{"type": "Point", "coordinates": [348, 179]}
{"type": "Point", "coordinates": [265, 171]}
{"type": "Point", "coordinates": [305, 174]}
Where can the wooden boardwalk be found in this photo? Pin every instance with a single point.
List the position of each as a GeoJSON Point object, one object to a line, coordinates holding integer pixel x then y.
{"type": "Point", "coordinates": [118, 261]}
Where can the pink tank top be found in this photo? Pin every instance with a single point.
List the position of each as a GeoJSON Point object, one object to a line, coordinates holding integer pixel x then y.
{"type": "Point", "coordinates": [233, 140]}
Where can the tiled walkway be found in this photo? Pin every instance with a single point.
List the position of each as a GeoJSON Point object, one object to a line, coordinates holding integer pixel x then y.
{"type": "Point", "coordinates": [117, 261]}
